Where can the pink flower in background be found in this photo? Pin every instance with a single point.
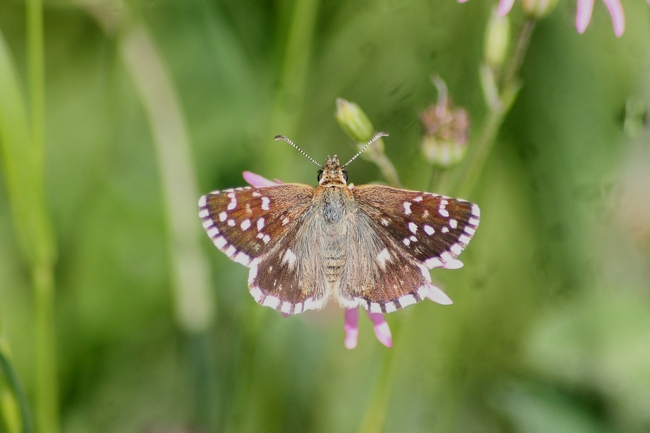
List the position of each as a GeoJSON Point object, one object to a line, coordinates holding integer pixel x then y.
{"type": "Point", "coordinates": [585, 7]}
{"type": "Point", "coordinates": [583, 15]}
{"type": "Point", "coordinates": [382, 330]}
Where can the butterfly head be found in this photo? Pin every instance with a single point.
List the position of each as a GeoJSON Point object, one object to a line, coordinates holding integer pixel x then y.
{"type": "Point", "coordinates": [332, 173]}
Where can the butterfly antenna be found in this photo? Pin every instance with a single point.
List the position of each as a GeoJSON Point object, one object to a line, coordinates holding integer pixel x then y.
{"type": "Point", "coordinates": [283, 138]}
{"type": "Point", "coordinates": [372, 140]}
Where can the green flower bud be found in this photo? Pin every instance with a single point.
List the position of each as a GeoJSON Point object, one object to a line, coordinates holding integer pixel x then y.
{"type": "Point", "coordinates": [497, 39]}
{"type": "Point", "coordinates": [354, 121]}
{"type": "Point", "coordinates": [539, 8]}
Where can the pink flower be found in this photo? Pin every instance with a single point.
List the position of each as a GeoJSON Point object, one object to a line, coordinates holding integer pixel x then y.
{"type": "Point", "coordinates": [382, 330]}
{"type": "Point", "coordinates": [583, 15]}
{"type": "Point", "coordinates": [585, 7]}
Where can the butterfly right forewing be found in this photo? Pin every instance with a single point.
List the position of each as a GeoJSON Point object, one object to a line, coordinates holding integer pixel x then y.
{"type": "Point", "coordinates": [431, 228]}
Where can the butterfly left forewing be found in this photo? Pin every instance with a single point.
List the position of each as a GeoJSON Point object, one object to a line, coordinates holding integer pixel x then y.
{"type": "Point", "coordinates": [245, 222]}
{"type": "Point", "coordinates": [261, 228]}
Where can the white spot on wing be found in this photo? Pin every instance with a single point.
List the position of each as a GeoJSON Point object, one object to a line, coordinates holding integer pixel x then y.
{"type": "Point", "coordinates": [429, 230]}
{"type": "Point", "coordinates": [433, 262]}
{"type": "Point", "coordinates": [245, 225]}
{"type": "Point", "coordinates": [203, 200]}
{"type": "Point", "coordinates": [289, 258]}
{"type": "Point", "coordinates": [230, 251]}
{"type": "Point", "coordinates": [260, 224]}
{"type": "Point", "coordinates": [213, 232]}
{"type": "Point", "coordinates": [375, 307]}
{"type": "Point", "coordinates": [445, 230]}
{"type": "Point", "coordinates": [406, 242]}
{"type": "Point", "coordinates": [220, 242]}
{"type": "Point", "coordinates": [203, 213]}
{"type": "Point", "coordinates": [407, 300]}
{"type": "Point", "coordinates": [413, 227]}
{"type": "Point", "coordinates": [265, 203]}
{"type": "Point", "coordinates": [453, 223]}
{"type": "Point", "coordinates": [223, 216]}
{"type": "Point", "coordinates": [242, 258]}
{"type": "Point", "coordinates": [271, 301]}
{"type": "Point", "coordinates": [383, 257]}
{"type": "Point", "coordinates": [207, 224]}
{"type": "Point", "coordinates": [266, 239]}
{"type": "Point", "coordinates": [407, 208]}
{"type": "Point", "coordinates": [231, 222]}
{"type": "Point", "coordinates": [257, 293]}
{"type": "Point", "coordinates": [253, 272]}
{"type": "Point", "coordinates": [443, 212]}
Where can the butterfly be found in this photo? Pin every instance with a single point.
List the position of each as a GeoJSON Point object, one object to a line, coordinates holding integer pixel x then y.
{"type": "Point", "coordinates": [370, 245]}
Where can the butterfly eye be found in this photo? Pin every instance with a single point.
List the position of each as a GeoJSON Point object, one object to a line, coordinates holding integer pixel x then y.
{"type": "Point", "coordinates": [320, 175]}
{"type": "Point", "coordinates": [345, 175]}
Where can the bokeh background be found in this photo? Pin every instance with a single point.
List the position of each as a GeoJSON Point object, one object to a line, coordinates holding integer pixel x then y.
{"type": "Point", "coordinates": [148, 104]}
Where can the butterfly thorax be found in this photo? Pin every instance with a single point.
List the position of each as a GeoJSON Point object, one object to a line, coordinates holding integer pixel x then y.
{"type": "Point", "coordinates": [333, 200]}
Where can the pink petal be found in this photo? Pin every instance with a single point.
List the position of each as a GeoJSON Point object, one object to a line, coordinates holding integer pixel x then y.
{"type": "Point", "coordinates": [618, 17]}
{"type": "Point", "coordinates": [351, 327]}
{"type": "Point", "coordinates": [437, 295]}
{"type": "Point", "coordinates": [453, 264]}
{"type": "Point", "coordinates": [465, 1]}
{"type": "Point", "coordinates": [257, 180]}
{"type": "Point", "coordinates": [382, 331]}
{"type": "Point", "coordinates": [583, 16]}
{"type": "Point", "coordinates": [505, 6]}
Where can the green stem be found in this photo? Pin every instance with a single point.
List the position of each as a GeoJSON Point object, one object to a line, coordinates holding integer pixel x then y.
{"type": "Point", "coordinates": [47, 418]}
{"type": "Point", "coordinates": [498, 109]}
{"type": "Point", "coordinates": [43, 272]}
{"type": "Point", "coordinates": [375, 416]}
{"type": "Point", "coordinates": [290, 94]}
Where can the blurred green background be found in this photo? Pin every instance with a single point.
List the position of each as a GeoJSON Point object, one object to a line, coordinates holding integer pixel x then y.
{"type": "Point", "coordinates": [150, 103]}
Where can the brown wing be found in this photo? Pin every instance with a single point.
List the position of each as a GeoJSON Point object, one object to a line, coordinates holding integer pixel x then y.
{"type": "Point", "coordinates": [396, 237]}
{"type": "Point", "coordinates": [431, 228]}
{"type": "Point", "coordinates": [259, 228]}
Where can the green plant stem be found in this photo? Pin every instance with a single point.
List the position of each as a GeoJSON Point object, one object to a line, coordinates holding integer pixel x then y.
{"type": "Point", "coordinates": [290, 93]}
{"type": "Point", "coordinates": [43, 268]}
{"type": "Point", "coordinates": [375, 416]}
{"type": "Point", "coordinates": [47, 418]}
{"type": "Point", "coordinates": [497, 112]}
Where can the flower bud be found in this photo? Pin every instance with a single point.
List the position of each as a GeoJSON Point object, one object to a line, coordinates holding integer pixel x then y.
{"type": "Point", "coordinates": [446, 130]}
{"type": "Point", "coordinates": [539, 8]}
{"type": "Point", "coordinates": [497, 39]}
{"type": "Point", "coordinates": [354, 121]}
